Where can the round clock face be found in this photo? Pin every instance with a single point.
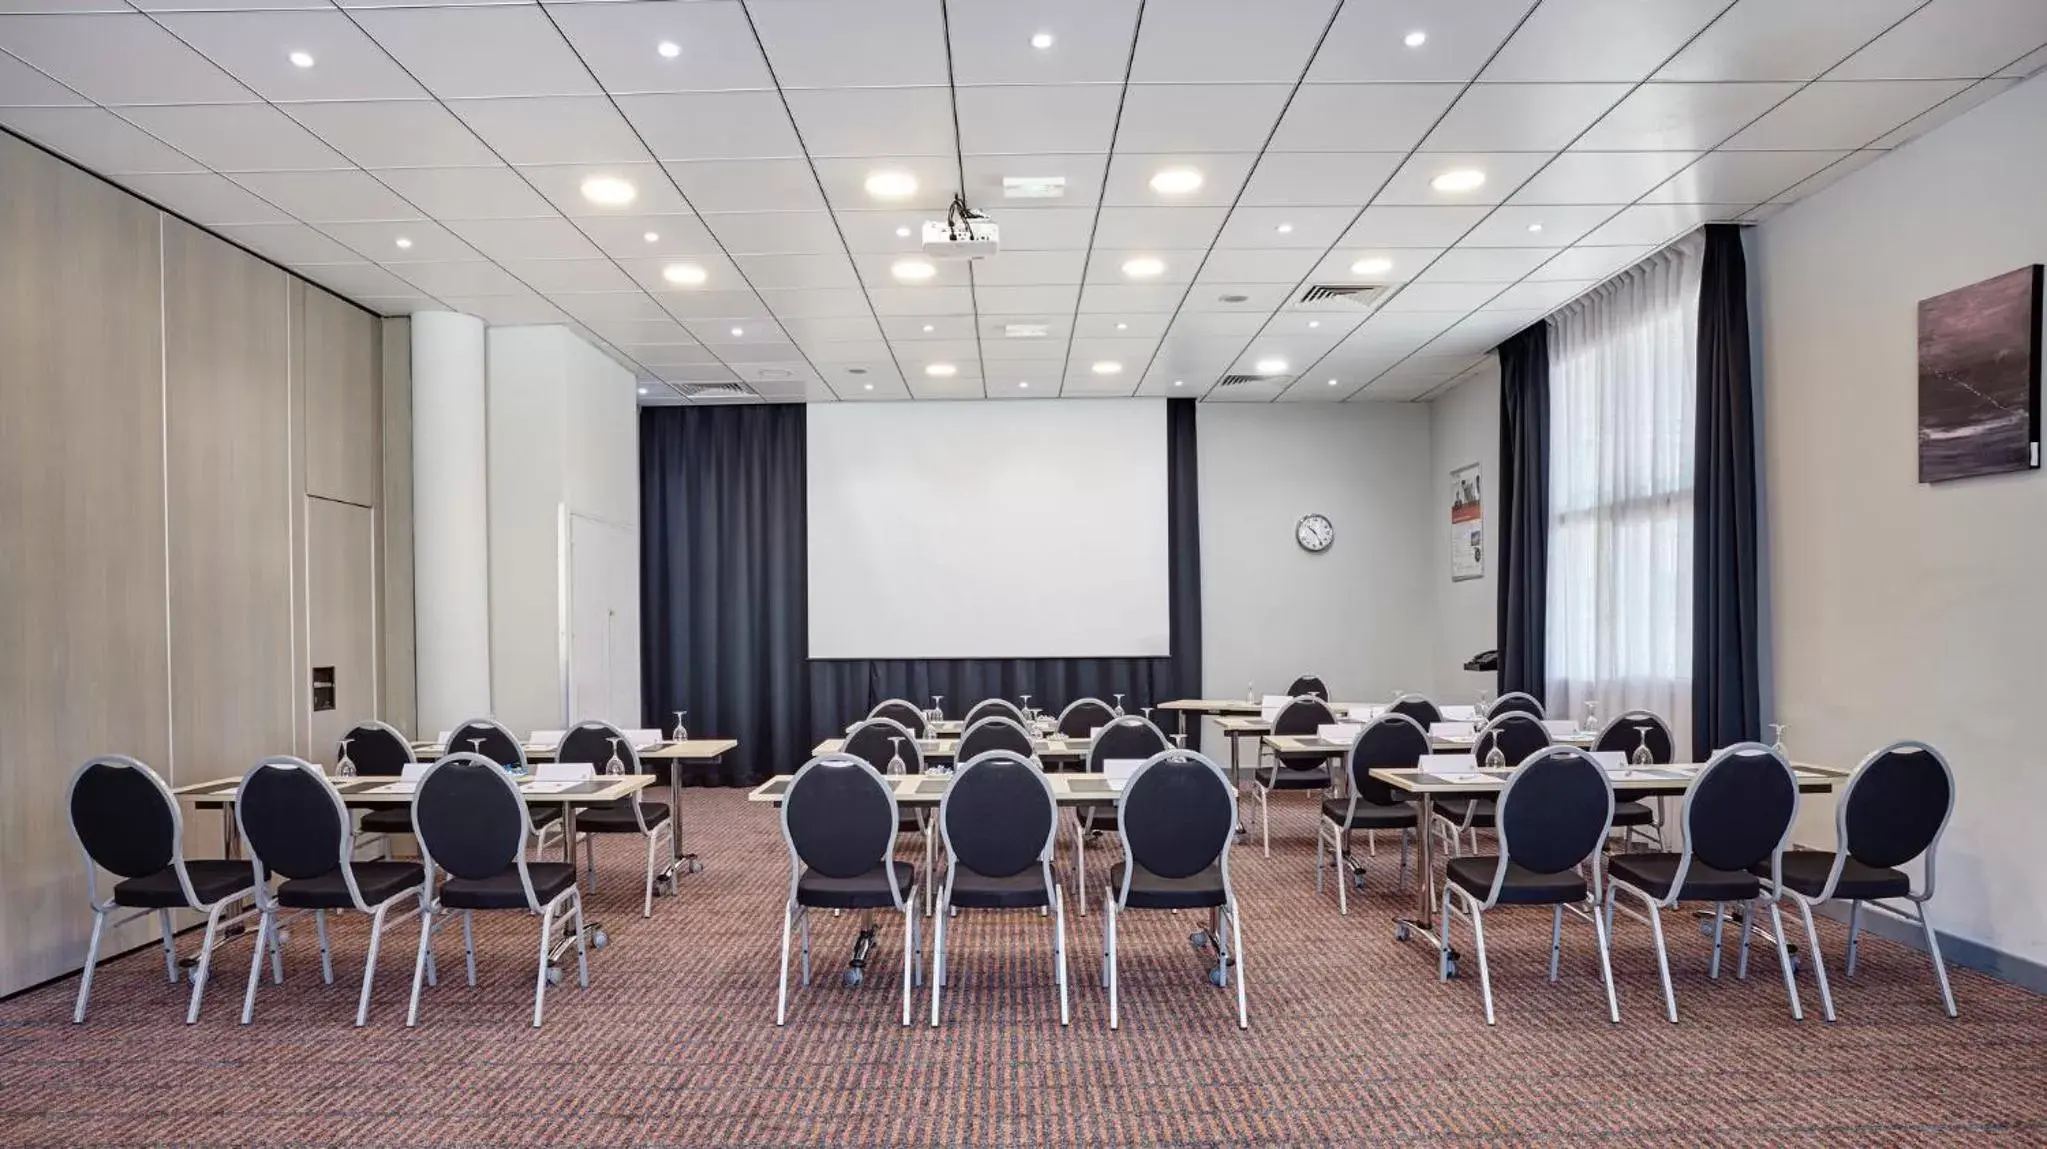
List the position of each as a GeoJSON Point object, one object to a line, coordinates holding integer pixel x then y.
{"type": "Point", "coordinates": [1314, 533]}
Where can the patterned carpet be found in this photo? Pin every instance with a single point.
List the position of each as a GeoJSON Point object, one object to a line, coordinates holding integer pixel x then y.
{"type": "Point", "coordinates": [1352, 1040]}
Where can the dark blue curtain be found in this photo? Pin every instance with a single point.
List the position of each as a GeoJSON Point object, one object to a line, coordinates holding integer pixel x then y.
{"type": "Point", "coordinates": [1726, 703]}
{"type": "Point", "coordinates": [724, 598]}
{"type": "Point", "coordinates": [1522, 533]}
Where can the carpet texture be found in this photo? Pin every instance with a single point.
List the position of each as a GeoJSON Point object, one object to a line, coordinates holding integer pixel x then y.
{"type": "Point", "coordinates": [1352, 1039]}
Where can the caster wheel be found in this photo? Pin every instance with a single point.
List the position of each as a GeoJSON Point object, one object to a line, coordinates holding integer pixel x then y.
{"type": "Point", "coordinates": [554, 975]}
{"type": "Point", "coordinates": [1216, 978]}
{"type": "Point", "coordinates": [599, 939]}
{"type": "Point", "coordinates": [1705, 927]}
{"type": "Point", "coordinates": [1358, 882]}
{"type": "Point", "coordinates": [1198, 939]}
{"type": "Point", "coordinates": [1797, 964]}
{"type": "Point", "coordinates": [1450, 968]}
{"type": "Point", "coordinates": [696, 866]}
{"type": "Point", "coordinates": [1400, 932]}
{"type": "Point", "coordinates": [852, 978]}
{"type": "Point", "coordinates": [283, 936]}
{"type": "Point", "coordinates": [664, 887]}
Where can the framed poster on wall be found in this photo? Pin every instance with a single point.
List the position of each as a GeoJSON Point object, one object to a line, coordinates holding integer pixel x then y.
{"type": "Point", "coordinates": [1467, 524]}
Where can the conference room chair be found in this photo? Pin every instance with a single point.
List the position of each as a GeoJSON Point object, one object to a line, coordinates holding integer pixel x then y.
{"type": "Point", "coordinates": [378, 750]}
{"type": "Point", "coordinates": [594, 743]}
{"type": "Point", "coordinates": [999, 820]}
{"type": "Point", "coordinates": [1552, 818]}
{"type": "Point", "coordinates": [1083, 716]}
{"type": "Point", "coordinates": [1303, 715]}
{"type": "Point", "coordinates": [1624, 735]}
{"type": "Point", "coordinates": [1737, 815]}
{"type": "Point", "coordinates": [1125, 739]}
{"type": "Point", "coordinates": [1308, 684]}
{"type": "Point", "coordinates": [1179, 816]}
{"type": "Point", "coordinates": [127, 823]}
{"type": "Point", "coordinates": [296, 828]}
{"type": "Point", "coordinates": [994, 708]}
{"type": "Point", "coordinates": [902, 713]}
{"type": "Point", "coordinates": [994, 733]}
{"type": "Point", "coordinates": [1424, 712]}
{"type": "Point", "coordinates": [473, 825]}
{"type": "Point", "coordinates": [877, 742]}
{"type": "Point", "coordinates": [1388, 741]}
{"type": "Point", "coordinates": [1517, 735]}
{"type": "Point", "coordinates": [490, 738]}
{"type": "Point", "coordinates": [839, 819]}
{"type": "Point", "coordinates": [1515, 702]}
{"type": "Point", "coordinates": [1893, 810]}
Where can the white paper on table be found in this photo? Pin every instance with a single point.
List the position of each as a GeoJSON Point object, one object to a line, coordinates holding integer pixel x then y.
{"type": "Point", "coordinates": [1447, 764]}
{"type": "Point", "coordinates": [412, 772]}
{"type": "Point", "coordinates": [546, 738]}
{"type": "Point", "coordinates": [1466, 779]}
{"type": "Point", "coordinates": [1611, 759]}
{"type": "Point", "coordinates": [1119, 770]}
{"type": "Point", "coordinates": [641, 739]}
{"type": "Point", "coordinates": [1270, 706]}
{"type": "Point", "coordinates": [1560, 727]}
{"type": "Point", "coordinates": [570, 772]}
{"type": "Point", "coordinates": [1366, 711]}
{"type": "Point", "coordinates": [551, 785]}
{"type": "Point", "coordinates": [1453, 729]}
{"type": "Point", "coordinates": [1343, 733]}
{"type": "Point", "coordinates": [393, 788]}
{"type": "Point", "coordinates": [1458, 713]}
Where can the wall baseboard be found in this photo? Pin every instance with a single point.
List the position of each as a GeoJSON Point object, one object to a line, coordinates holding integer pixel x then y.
{"type": "Point", "coordinates": [1974, 955]}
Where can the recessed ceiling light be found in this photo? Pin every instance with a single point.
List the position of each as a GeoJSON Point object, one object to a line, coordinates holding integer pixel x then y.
{"type": "Point", "coordinates": [1534, 227]}
{"type": "Point", "coordinates": [1415, 39]}
{"type": "Point", "coordinates": [1179, 382]}
{"type": "Point", "coordinates": [1377, 265]}
{"type": "Point", "coordinates": [738, 331]}
{"type": "Point", "coordinates": [1270, 366]}
{"type": "Point", "coordinates": [1143, 267]}
{"type": "Point", "coordinates": [609, 191]}
{"type": "Point", "coordinates": [1107, 367]}
{"type": "Point", "coordinates": [669, 49]}
{"type": "Point", "coordinates": [1033, 187]}
{"type": "Point", "coordinates": [1122, 327]}
{"type": "Point", "coordinates": [1176, 181]}
{"type": "Point", "coordinates": [652, 237]}
{"type": "Point", "coordinates": [927, 328]}
{"type": "Point", "coordinates": [940, 370]}
{"type": "Point", "coordinates": [301, 59]}
{"type": "Point", "coordinates": [912, 269]}
{"type": "Point", "coordinates": [1332, 382]}
{"type": "Point", "coordinates": [684, 274]}
{"type": "Point", "coordinates": [1023, 383]}
{"type": "Point", "coordinates": [1314, 323]}
{"type": "Point", "coordinates": [869, 386]}
{"type": "Point", "coordinates": [891, 185]}
{"type": "Point", "coordinates": [902, 233]}
{"type": "Point", "coordinates": [643, 390]}
{"type": "Point", "coordinates": [1284, 228]}
{"type": "Point", "coordinates": [1041, 41]}
{"type": "Point", "coordinates": [1026, 330]}
{"type": "Point", "coordinates": [1459, 180]}
{"type": "Point", "coordinates": [404, 243]}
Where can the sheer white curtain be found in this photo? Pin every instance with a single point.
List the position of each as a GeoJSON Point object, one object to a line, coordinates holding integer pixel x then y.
{"type": "Point", "coordinates": [1623, 381]}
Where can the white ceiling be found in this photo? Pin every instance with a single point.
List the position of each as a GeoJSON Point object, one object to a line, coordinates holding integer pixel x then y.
{"type": "Point", "coordinates": [1604, 128]}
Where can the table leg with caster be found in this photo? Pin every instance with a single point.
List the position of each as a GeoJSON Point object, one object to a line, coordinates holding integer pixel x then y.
{"type": "Point", "coordinates": [1423, 924]}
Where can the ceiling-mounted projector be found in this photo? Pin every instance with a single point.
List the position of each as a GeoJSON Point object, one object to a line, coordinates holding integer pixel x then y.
{"type": "Point", "coordinates": [963, 234]}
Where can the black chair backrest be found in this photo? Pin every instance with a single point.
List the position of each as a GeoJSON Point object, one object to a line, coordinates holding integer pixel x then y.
{"type": "Point", "coordinates": [291, 818]}
{"type": "Point", "coordinates": [902, 713]}
{"type": "Point", "coordinates": [993, 733]}
{"type": "Point", "coordinates": [1518, 734]}
{"type": "Point", "coordinates": [377, 750]}
{"type": "Point", "coordinates": [998, 816]}
{"type": "Point", "coordinates": [1424, 712]}
{"type": "Point", "coordinates": [1625, 734]}
{"type": "Point", "coordinates": [1896, 804]}
{"type": "Point", "coordinates": [993, 708]}
{"type": "Point", "coordinates": [870, 742]}
{"type": "Point", "coordinates": [1739, 809]}
{"type": "Point", "coordinates": [1390, 741]}
{"type": "Point", "coordinates": [124, 816]}
{"type": "Point", "coordinates": [839, 816]}
{"type": "Point", "coordinates": [1308, 684]}
{"type": "Point", "coordinates": [1131, 736]}
{"type": "Point", "coordinates": [1303, 715]}
{"type": "Point", "coordinates": [1515, 702]}
{"type": "Point", "coordinates": [1177, 813]}
{"type": "Point", "coordinates": [590, 743]}
{"type": "Point", "coordinates": [469, 816]}
{"type": "Point", "coordinates": [1555, 810]}
{"type": "Point", "coordinates": [1080, 719]}
{"type": "Point", "coordinates": [498, 745]}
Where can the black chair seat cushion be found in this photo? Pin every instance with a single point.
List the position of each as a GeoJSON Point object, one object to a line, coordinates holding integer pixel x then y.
{"type": "Point", "coordinates": [981, 892]}
{"type": "Point", "coordinates": [1148, 891]}
{"type": "Point", "coordinates": [378, 881]}
{"type": "Point", "coordinates": [1633, 814]}
{"type": "Point", "coordinates": [503, 892]}
{"type": "Point", "coordinates": [868, 891]}
{"type": "Point", "coordinates": [1653, 874]}
{"type": "Point", "coordinates": [1283, 777]}
{"type": "Point", "coordinates": [1456, 809]}
{"type": "Point", "coordinates": [543, 815]}
{"type": "Point", "coordinates": [1523, 887]}
{"type": "Point", "coordinates": [387, 820]}
{"type": "Point", "coordinates": [212, 880]}
{"type": "Point", "coordinates": [617, 818]}
{"type": "Point", "coordinates": [1369, 815]}
{"type": "Point", "coordinates": [1806, 871]}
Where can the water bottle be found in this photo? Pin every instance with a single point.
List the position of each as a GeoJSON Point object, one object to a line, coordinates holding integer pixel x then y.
{"type": "Point", "coordinates": [344, 768]}
{"type": "Point", "coordinates": [617, 764]}
{"type": "Point", "coordinates": [1641, 755]}
{"type": "Point", "coordinates": [896, 766]}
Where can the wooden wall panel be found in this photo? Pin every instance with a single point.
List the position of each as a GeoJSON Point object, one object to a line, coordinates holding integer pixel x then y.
{"type": "Point", "coordinates": [341, 368]}
{"type": "Point", "coordinates": [340, 616]}
{"type": "Point", "coordinates": [83, 620]}
{"type": "Point", "coordinates": [225, 387]}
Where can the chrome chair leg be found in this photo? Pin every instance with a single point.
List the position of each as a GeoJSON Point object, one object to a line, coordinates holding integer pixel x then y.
{"type": "Point", "coordinates": [1662, 959]}
{"type": "Point", "coordinates": [1556, 940]}
{"type": "Point", "coordinates": [1719, 923]}
{"type": "Point", "coordinates": [170, 947]}
{"type": "Point", "coordinates": [1748, 929]}
{"type": "Point", "coordinates": [582, 947]}
{"type": "Point", "coordinates": [782, 989]}
{"type": "Point", "coordinates": [369, 967]}
{"type": "Point", "coordinates": [326, 954]}
{"type": "Point", "coordinates": [1109, 927]}
{"type": "Point", "coordinates": [205, 967]}
{"type": "Point", "coordinates": [1058, 953]}
{"type": "Point", "coordinates": [938, 953]}
{"type": "Point", "coordinates": [540, 973]}
{"type": "Point", "coordinates": [426, 934]}
{"type": "Point", "coordinates": [1947, 993]}
{"type": "Point", "coordinates": [911, 954]}
{"type": "Point", "coordinates": [1854, 936]}
{"type": "Point", "coordinates": [1819, 964]}
{"type": "Point", "coordinates": [1613, 1005]}
{"type": "Point", "coordinates": [1237, 948]}
{"type": "Point", "coordinates": [265, 922]}
{"type": "Point", "coordinates": [1784, 961]}
{"type": "Point", "coordinates": [469, 943]}
{"type": "Point", "coordinates": [1485, 976]}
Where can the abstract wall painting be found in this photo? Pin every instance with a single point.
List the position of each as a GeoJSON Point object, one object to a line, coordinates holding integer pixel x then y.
{"type": "Point", "coordinates": [1979, 378]}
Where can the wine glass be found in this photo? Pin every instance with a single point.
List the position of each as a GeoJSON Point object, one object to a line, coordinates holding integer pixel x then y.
{"type": "Point", "coordinates": [476, 745]}
{"type": "Point", "coordinates": [681, 731]}
{"type": "Point", "coordinates": [1251, 692]}
{"type": "Point", "coordinates": [1777, 730]}
{"type": "Point", "coordinates": [345, 768]}
{"type": "Point", "coordinates": [1117, 709]}
{"type": "Point", "coordinates": [938, 708]}
{"type": "Point", "coordinates": [1485, 703]}
{"type": "Point", "coordinates": [617, 764]}
{"type": "Point", "coordinates": [1147, 712]}
{"type": "Point", "coordinates": [1495, 758]}
{"type": "Point", "coordinates": [1591, 716]}
{"type": "Point", "coordinates": [1641, 755]}
{"type": "Point", "coordinates": [896, 765]}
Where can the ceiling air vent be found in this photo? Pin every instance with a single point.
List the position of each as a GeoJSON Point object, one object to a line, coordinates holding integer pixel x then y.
{"type": "Point", "coordinates": [714, 390]}
{"type": "Point", "coordinates": [1238, 380]}
{"type": "Point", "coordinates": [1343, 295]}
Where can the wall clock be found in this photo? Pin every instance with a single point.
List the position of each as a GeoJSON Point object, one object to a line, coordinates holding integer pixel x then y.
{"type": "Point", "coordinates": [1314, 533]}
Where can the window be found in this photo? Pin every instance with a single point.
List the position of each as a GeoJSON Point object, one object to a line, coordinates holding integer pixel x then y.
{"type": "Point", "coordinates": [1623, 386]}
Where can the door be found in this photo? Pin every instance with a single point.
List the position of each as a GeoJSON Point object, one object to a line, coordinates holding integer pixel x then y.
{"type": "Point", "coordinates": [341, 621]}
{"type": "Point", "coordinates": [604, 641]}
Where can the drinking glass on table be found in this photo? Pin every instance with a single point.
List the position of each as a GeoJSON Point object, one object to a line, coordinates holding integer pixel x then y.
{"type": "Point", "coordinates": [1777, 730]}
{"type": "Point", "coordinates": [1030, 716]}
{"type": "Point", "coordinates": [896, 765]}
{"type": "Point", "coordinates": [681, 731]}
{"type": "Point", "coordinates": [617, 764]}
{"type": "Point", "coordinates": [1591, 717]}
{"type": "Point", "coordinates": [1118, 708]}
{"type": "Point", "coordinates": [345, 768]}
{"type": "Point", "coordinates": [1641, 755]}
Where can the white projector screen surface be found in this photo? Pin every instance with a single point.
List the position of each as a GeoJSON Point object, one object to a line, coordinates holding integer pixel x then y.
{"type": "Point", "coordinates": [1019, 529]}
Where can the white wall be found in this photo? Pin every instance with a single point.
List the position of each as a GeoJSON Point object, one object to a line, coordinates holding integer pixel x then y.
{"type": "Point", "coordinates": [1901, 610]}
{"type": "Point", "coordinates": [1270, 610]}
{"type": "Point", "coordinates": [1464, 428]}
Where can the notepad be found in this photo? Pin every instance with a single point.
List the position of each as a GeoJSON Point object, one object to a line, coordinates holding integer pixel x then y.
{"type": "Point", "coordinates": [1446, 764]}
{"type": "Point", "coordinates": [1341, 733]}
{"type": "Point", "coordinates": [551, 785]}
{"type": "Point", "coordinates": [1633, 774]}
{"type": "Point", "coordinates": [393, 788]}
{"type": "Point", "coordinates": [1464, 730]}
{"type": "Point", "coordinates": [1465, 779]}
{"type": "Point", "coordinates": [1116, 770]}
{"type": "Point", "coordinates": [1458, 713]}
